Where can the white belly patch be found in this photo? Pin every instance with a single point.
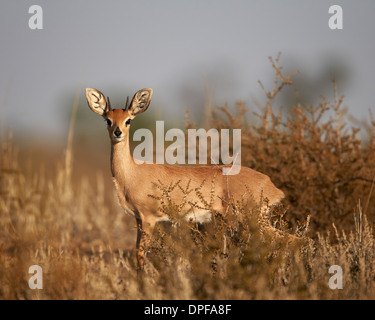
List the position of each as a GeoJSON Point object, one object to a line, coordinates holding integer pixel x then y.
{"type": "Point", "coordinates": [197, 217]}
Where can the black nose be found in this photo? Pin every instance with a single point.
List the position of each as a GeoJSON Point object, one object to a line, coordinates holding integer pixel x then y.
{"type": "Point", "coordinates": [117, 132]}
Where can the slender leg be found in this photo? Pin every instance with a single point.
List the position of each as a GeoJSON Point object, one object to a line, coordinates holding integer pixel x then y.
{"type": "Point", "coordinates": [144, 233]}
{"type": "Point", "coordinates": [140, 261]}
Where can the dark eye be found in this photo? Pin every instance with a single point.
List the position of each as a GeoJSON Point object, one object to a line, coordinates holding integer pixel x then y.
{"type": "Point", "coordinates": [127, 122]}
{"type": "Point", "coordinates": [109, 122]}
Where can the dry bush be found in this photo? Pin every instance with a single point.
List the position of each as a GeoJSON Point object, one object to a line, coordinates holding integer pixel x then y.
{"type": "Point", "coordinates": [311, 153]}
{"type": "Point", "coordinates": [86, 246]}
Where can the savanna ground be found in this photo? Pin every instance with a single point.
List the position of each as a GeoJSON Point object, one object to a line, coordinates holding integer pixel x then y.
{"type": "Point", "coordinates": [63, 215]}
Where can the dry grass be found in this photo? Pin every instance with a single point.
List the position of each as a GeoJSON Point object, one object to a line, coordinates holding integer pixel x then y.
{"type": "Point", "coordinates": [72, 226]}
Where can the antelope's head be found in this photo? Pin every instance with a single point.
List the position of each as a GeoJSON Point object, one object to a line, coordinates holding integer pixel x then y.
{"type": "Point", "coordinates": [118, 120]}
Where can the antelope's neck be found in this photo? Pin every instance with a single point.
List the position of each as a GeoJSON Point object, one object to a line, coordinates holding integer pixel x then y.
{"type": "Point", "coordinates": [122, 163]}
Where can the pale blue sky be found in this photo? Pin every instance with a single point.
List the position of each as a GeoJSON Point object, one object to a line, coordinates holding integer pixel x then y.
{"type": "Point", "coordinates": [178, 48]}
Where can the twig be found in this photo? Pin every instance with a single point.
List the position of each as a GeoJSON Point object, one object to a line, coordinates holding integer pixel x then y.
{"type": "Point", "coordinates": [369, 196]}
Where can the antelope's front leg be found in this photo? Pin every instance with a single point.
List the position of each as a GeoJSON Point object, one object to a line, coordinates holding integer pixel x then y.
{"type": "Point", "coordinates": [144, 233]}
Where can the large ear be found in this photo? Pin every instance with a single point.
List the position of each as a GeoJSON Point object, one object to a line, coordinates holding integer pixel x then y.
{"type": "Point", "coordinates": [140, 102]}
{"type": "Point", "coordinates": [96, 101]}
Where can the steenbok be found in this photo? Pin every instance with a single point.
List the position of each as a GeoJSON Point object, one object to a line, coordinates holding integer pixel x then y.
{"type": "Point", "coordinates": [134, 182]}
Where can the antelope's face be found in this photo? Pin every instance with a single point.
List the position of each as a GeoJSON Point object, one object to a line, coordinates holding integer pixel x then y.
{"type": "Point", "coordinates": [118, 120]}
{"type": "Point", "coordinates": [118, 124]}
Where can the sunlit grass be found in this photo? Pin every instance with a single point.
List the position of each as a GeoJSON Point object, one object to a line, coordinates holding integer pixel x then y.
{"type": "Point", "coordinates": [71, 225]}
